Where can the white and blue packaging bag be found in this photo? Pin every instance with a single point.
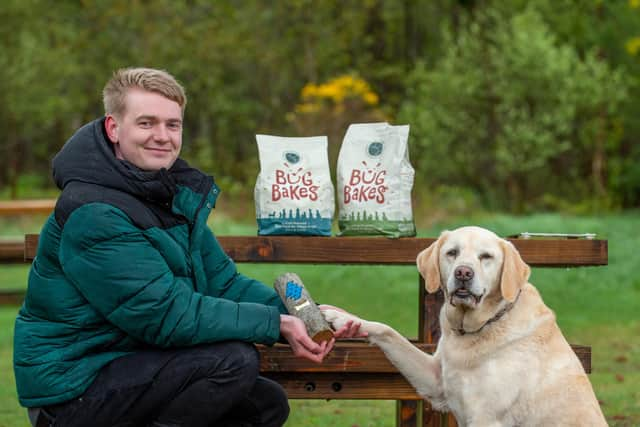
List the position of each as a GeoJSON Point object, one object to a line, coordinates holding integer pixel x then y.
{"type": "Point", "coordinates": [294, 194]}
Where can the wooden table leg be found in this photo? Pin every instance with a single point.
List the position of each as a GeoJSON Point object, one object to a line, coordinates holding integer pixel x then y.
{"type": "Point", "coordinates": [407, 413]}
{"type": "Point", "coordinates": [431, 418]}
{"type": "Point", "coordinates": [429, 332]}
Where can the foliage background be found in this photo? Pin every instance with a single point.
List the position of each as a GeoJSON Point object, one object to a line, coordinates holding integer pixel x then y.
{"type": "Point", "coordinates": [540, 96]}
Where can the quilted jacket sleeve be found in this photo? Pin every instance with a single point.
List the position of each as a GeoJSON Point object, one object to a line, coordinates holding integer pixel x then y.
{"type": "Point", "coordinates": [127, 280]}
{"type": "Point", "coordinates": [224, 280]}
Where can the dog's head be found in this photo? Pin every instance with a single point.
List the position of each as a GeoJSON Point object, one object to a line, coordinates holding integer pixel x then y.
{"type": "Point", "coordinates": [472, 265]}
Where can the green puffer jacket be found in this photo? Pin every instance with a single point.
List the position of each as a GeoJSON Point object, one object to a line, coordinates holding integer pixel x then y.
{"type": "Point", "coordinates": [127, 262]}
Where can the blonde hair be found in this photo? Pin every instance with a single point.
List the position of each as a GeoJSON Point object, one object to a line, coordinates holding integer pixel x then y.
{"type": "Point", "coordinates": [149, 79]}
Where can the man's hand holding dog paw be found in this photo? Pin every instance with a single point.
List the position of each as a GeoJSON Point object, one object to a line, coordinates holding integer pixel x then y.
{"type": "Point", "coordinates": [345, 325]}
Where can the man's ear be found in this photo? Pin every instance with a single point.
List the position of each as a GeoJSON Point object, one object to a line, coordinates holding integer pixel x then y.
{"type": "Point", "coordinates": [515, 272]}
{"type": "Point", "coordinates": [111, 127]}
{"type": "Point", "coordinates": [429, 264]}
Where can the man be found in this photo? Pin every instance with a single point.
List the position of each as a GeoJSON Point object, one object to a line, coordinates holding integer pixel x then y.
{"type": "Point", "coordinates": [134, 315]}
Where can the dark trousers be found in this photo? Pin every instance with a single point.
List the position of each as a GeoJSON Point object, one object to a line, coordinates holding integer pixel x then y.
{"type": "Point", "coordinates": [209, 385]}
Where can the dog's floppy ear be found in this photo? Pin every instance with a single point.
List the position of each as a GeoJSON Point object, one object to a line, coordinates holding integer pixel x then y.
{"type": "Point", "coordinates": [429, 264]}
{"type": "Point", "coordinates": [515, 272]}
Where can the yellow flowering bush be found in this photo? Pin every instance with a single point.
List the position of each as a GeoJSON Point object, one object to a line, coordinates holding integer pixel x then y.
{"type": "Point", "coordinates": [330, 107]}
{"type": "Point", "coordinates": [633, 45]}
{"type": "Point", "coordinates": [336, 92]}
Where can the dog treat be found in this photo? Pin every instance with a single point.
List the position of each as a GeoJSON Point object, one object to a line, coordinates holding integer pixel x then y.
{"type": "Point", "coordinates": [375, 179]}
{"type": "Point", "coordinates": [300, 304]}
{"type": "Point", "coordinates": [294, 192]}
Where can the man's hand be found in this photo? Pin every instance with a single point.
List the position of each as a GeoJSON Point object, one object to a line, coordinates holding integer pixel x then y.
{"type": "Point", "coordinates": [350, 330]}
{"type": "Point", "coordinates": [294, 331]}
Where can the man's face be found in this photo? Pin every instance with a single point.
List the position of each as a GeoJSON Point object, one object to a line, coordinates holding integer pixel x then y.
{"type": "Point", "coordinates": [149, 133]}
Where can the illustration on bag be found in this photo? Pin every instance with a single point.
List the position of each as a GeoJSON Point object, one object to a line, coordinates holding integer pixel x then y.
{"type": "Point", "coordinates": [294, 192]}
{"type": "Point", "coordinates": [375, 178]}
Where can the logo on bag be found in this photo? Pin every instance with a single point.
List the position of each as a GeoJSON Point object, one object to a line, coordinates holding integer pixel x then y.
{"type": "Point", "coordinates": [375, 149]}
{"type": "Point", "coordinates": [366, 184]}
{"type": "Point", "coordinates": [291, 157]}
{"type": "Point", "coordinates": [293, 183]}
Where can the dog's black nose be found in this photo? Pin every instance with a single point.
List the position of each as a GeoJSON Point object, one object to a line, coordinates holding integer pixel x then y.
{"type": "Point", "coordinates": [463, 273]}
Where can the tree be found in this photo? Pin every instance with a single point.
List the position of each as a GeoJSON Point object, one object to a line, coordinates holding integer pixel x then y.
{"type": "Point", "coordinates": [504, 103]}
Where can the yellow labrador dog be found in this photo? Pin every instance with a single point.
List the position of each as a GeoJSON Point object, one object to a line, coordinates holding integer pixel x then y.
{"type": "Point", "coordinates": [501, 359]}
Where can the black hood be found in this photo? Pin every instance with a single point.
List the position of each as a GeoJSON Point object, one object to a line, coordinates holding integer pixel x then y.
{"type": "Point", "coordinates": [88, 157]}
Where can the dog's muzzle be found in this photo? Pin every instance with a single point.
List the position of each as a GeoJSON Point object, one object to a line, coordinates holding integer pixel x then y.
{"type": "Point", "coordinates": [463, 280]}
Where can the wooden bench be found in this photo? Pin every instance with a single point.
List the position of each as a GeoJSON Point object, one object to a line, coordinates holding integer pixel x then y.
{"type": "Point", "coordinates": [12, 251]}
{"type": "Point", "coordinates": [355, 370]}
{"type": "Point", "coordinates": [26, 207]}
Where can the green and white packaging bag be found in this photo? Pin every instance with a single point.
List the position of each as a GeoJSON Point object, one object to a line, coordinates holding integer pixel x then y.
{"type": "Point", "coordinates": [375, 178]}
{"type": "Point", "coordinates": [294, 193]}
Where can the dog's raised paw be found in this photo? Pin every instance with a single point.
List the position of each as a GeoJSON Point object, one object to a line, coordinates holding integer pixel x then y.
{"type": "Point", "coordinates": [337, 319]}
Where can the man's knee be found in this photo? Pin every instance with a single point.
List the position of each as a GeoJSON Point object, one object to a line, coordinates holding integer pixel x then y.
{"type": "Point", "coordinates": [281, 405]}
{"type": "Point", "coordinates": [243, 355]}
{"type": "Point", "coordinates": [274, 402]}
{"type": "Point", "coordinates": [233, 357]}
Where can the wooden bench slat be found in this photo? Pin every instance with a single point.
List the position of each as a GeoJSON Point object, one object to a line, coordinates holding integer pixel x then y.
{"type": "Point", "coordinates": [333, 385]}
{"type": "Point", "coordinates": [27, 207]}
{"type": "Point", "coordinates": [13, 297]}
{"type": "Point", "coordinates": [356, 357]}
{"type": "Point", "coordinates": [562, 252]}
{"type": "Point", "coordinates": [375, 250]}
{"type": "Point", "coordinates": [12, 251]}
{"type": "Point", "coordinates": [351, 356]}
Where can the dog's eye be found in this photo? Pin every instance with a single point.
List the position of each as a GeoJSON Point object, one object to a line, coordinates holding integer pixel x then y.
{"type": "Point", "coordinates": [484, 256]}
{"type": "Point", "coordinates": [452, 252]}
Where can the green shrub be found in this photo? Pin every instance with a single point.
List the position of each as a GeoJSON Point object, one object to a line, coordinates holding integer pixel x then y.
{"type": "Point", "coordinates": [514, 114]}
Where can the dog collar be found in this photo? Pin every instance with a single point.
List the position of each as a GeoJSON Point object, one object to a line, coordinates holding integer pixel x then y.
{"type": "Point", "coordinates": [496, 317]}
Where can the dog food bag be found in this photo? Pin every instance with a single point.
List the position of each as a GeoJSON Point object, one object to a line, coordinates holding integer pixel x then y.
{"type": "Point", "coordinates": [294, 192]}
{"type": "Point", "coordinates": [375, 179]}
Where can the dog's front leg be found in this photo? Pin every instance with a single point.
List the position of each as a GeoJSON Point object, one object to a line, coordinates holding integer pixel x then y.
{"type": "Point", "coordinates": [422, 370]}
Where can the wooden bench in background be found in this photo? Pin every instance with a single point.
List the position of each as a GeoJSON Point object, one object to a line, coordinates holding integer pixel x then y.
{"type": "Point", "coordinates": [26, 207]}
{"type": "Point", "coordinates": [355, 370]}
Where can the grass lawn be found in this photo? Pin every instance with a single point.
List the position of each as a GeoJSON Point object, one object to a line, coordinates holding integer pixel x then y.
{"type": "Point", "coordinates": [597, 306]}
